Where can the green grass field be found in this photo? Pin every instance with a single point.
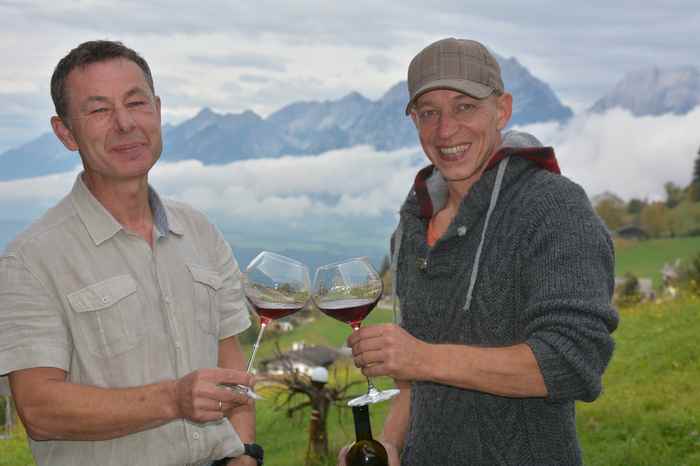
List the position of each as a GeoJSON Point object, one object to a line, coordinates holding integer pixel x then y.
{"type": "Point", "coordinates": [646, 258]}
{"type": "Point", "coordinates": [648, 414]}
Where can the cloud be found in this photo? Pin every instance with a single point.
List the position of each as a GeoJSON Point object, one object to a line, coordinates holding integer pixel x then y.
{"type": "Point", "coordinates": [381, 62]}
{"type": "Point", "coordinates": [245, 60]}
{"type": "Point", "coordinates": [352, 196]}
{"type": "Point", "coordinates": [630, 156]}
{"type": "Point", "coordinates": [357, 182]}
{"type": "Point", "coordinates": [254, 78]}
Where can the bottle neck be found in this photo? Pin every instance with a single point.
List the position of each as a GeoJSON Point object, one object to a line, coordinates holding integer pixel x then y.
{"type": "Point", "coordinates": [363, 428]}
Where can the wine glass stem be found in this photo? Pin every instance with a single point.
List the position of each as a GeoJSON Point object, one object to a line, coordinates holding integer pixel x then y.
{"type": "Point", "coordinates": [370, 385]}
{"type": "Point", "coordinates": [263, 324]}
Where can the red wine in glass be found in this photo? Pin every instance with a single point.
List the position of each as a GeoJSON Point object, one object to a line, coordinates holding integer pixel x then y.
{"type": "Point", "coordinates": [272, 311]}
{"type": "Point", "coordinates": [351, 311]}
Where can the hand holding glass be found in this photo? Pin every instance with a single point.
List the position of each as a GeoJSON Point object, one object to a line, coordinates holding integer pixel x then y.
{"type": "Point", "coordinates": [348, 291]}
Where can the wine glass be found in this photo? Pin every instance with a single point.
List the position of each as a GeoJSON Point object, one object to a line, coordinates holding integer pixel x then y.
{"type": "Point", "coordinates": [348, 291]}
{"type": "Point", "coordinates": [275, 286]}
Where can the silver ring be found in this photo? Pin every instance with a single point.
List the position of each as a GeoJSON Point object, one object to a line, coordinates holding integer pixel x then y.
{"type": "Point", "coordinates": [220, 406]}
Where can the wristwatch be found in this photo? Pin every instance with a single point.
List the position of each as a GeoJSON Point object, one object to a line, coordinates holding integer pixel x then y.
{"type": "Point", "coordinates": [253, 450]}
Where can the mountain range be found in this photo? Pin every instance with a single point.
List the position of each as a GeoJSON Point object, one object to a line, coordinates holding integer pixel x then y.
{"type": "Point", "coordinates": [312, 127]}
{"type": "Point", "coordinates": [300, 128]}
{"type": "Point", "coordinates": [654, 91]}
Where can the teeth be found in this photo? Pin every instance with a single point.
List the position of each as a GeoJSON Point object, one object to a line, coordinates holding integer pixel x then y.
{"type": "Point", "coordinates": [453, 150]}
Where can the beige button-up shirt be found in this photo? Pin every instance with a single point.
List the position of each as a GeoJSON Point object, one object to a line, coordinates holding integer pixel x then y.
{"type": "Point", "coordinates": [80, 293]}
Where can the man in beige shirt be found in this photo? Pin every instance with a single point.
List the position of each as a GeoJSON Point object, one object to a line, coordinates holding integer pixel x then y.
{"type": "Point", "coordinates": [119, 311]}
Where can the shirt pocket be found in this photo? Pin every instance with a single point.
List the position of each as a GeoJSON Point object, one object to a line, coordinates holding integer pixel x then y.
{"type": "Point", "coordinates": [109, 316]}
{"type": "Point", "coordinates": [205, 284]}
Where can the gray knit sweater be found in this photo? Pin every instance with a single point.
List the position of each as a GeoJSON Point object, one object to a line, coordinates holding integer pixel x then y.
{"type": "Point", "coordinates": [544, 277]}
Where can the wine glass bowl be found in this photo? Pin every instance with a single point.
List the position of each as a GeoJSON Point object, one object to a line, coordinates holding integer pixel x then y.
{"type": "Point", "coordinates": [348, 291]}
{"type": "Point", "coordinates": [276, 286]}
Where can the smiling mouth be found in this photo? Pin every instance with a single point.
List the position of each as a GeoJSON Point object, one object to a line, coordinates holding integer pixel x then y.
{"type": "Point", "coordinates": [127, 147]}
{"type": "Point", "coordinates": [454, 151]}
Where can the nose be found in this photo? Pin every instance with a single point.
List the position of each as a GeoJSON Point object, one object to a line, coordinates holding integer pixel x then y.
{"type": "Point", "coordinates": [447, 125]}
{"type": "Point", "coordinates": [123, 119]}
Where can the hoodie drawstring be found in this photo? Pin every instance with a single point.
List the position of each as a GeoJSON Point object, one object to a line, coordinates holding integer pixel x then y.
{"type": "Point", "coordinates": [492, 205]}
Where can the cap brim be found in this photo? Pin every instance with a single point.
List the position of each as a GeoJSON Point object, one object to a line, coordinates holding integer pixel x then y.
{"type": "Point", "coordinates": [470, 88]}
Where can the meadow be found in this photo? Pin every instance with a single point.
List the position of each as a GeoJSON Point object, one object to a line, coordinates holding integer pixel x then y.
{"type": "Point", "coordinates": [646, 258]}
{"type": "Point", "coordinates": [648, 413]}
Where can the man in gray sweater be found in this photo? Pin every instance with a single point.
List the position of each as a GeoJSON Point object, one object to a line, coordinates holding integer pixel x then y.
{"type": "Point", "coordinates": [504, 274]}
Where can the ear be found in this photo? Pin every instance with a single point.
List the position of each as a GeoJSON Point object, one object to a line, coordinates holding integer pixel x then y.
{"type": "Point", "coordinates": [504, 104]}
{"type": "Point", "coordinates": [414, 117]}
{"type": "Point", "coordinates": [157, 99]}
{"type": "Point", "coordinates": [63, 133]}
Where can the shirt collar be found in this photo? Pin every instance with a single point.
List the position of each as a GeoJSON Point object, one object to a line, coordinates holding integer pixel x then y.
{"type": "Point", "coordinates": [101, 225]}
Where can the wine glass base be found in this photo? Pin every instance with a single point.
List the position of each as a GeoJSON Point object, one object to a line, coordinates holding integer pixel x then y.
{"type": "Point", "coordinates": [374, 396]}
{"type": "Point", "coordinates": [244, 390]}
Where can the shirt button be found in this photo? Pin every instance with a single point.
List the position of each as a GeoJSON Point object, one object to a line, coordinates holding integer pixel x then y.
{"type": "Point", "coordinates": [105, 299]}
{"type": "Point", "coordinates": [195, 436]}
{"type": "Point", "coordinates": [461, 231]}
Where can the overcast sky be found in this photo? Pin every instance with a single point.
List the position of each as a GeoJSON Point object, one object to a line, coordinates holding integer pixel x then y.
{"type": "Point", "coordinates": [263, 54]}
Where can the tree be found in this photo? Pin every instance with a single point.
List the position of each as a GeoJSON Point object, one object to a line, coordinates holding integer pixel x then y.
{"type": "Point", "coordinates": [654, 218]}
{"type": "Point", "coordinates": [635, 206]}
{"type": "Point", "coordinates": [295, 392]}
{"type": "Point", "coordinates": [612, 210]}
{"type": "Point", "coordinates": [695, 183]}
{"type": "Point", "coordinates": [674, 194]}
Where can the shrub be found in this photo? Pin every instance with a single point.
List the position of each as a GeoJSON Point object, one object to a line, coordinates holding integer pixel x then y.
{"type": "Point", "coordinates": [627, 292]}
{"type": "Point", "coordinates": [689, 276]}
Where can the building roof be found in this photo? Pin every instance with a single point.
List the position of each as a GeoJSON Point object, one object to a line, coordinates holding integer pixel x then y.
{"type": "Point", "coordinates": [309, 355]}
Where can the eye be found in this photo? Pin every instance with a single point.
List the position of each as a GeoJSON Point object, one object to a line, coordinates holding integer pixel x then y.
{"type": "Point", "coordinates": [428, 114]}
{"type": "Point", "coordinates": [136, 103]}
{"type": "Point", "coordinates": [98, 110]}
{"type": "Point", "coordinates": [465, 108]}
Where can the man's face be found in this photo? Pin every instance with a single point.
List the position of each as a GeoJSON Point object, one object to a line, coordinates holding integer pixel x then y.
{"type": "Point", "coordinates": [113, 120]}
{"type": "Point", "coordinates": [459, 133]}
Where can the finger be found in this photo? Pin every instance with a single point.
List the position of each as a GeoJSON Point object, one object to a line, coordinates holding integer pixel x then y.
{"type": "Point", "coordinates": [341, 455]}
{"type": "Point", "coordinates": [234, 377]}
{"type": "Point", "coordinates": [378, 343]}
{"type": "Point", "coordinates": [234, 395]}
{"type": "Point", "coordinates": [368, 358]}
{"type": "Point", "coordinates": [369, 331]}
{"type": "Point", "coordinates": [375, 370]}
{"type": "Point", "coordinates": [212, 405]}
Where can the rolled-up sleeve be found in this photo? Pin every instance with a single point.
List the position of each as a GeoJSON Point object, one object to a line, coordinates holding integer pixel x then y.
{"type": "Point", "coordinates": [569, 278]}
{"type": "Point", "coordinates": [32, 330]}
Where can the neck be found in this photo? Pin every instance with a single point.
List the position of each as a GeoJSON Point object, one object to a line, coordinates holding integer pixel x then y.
{"type": "Point", "coordinates": [127, 201]}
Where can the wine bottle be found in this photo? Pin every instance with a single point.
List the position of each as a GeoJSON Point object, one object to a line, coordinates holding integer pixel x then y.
{"type": "Point", "coordinates": [365, 451]}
